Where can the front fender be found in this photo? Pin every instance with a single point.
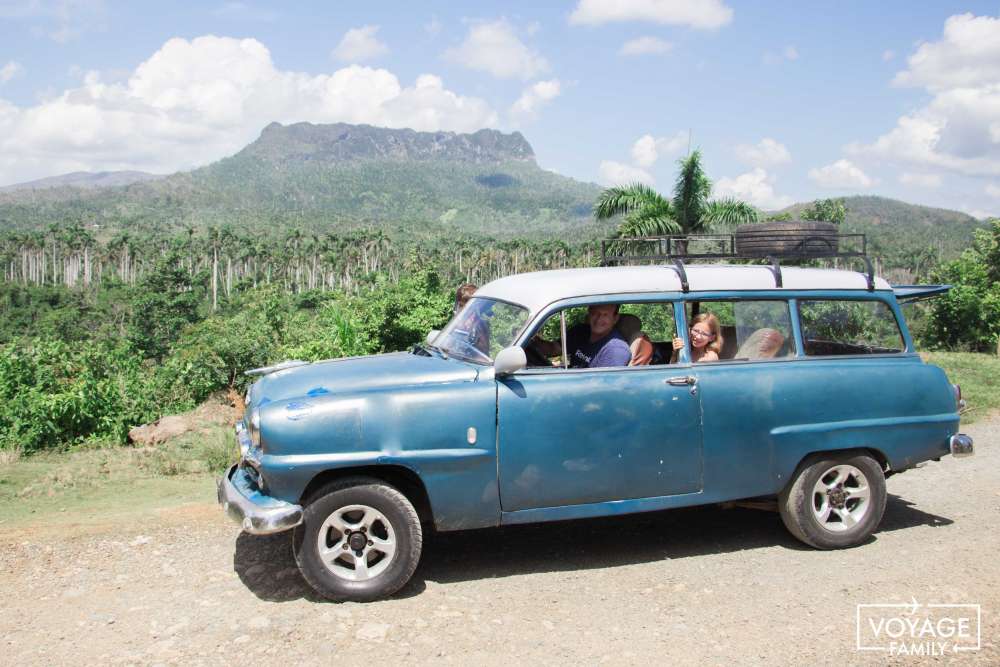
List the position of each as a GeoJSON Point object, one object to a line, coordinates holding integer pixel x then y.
{"type": "Point", "coordinates": [444, 433]}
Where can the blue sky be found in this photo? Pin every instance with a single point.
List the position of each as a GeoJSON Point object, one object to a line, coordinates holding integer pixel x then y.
{"type": "Point", "coordinates": [787, 101]}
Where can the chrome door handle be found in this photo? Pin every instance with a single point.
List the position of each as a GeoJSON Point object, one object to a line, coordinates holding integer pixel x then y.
{"type": "Point", "coordinates": [682, 380]}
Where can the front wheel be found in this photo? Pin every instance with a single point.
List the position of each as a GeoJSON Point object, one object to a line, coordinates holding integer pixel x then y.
{"type": "Point", "coordinates": [360, 539]}
{"type": "Point", "coordinates": [835, 501]}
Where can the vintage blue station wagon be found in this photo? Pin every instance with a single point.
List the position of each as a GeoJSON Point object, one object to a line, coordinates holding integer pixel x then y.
{"type": "Point", "coordinates": [814, 396]}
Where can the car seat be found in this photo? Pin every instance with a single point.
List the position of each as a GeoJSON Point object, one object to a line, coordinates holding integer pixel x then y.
{"type": "Point", "coordinates": [630, 327]}
{"type": "Point", "coordinates": [763, 343]}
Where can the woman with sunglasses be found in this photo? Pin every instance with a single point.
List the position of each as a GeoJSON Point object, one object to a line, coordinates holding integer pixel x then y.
{"type": "Point", "coordinates": [706, 339]}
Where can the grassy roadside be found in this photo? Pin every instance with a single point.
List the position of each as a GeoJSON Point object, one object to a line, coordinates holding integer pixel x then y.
{"type": "Point", "coordinates": [97, 485]}
{"type": "Point", "coordinates": [979, 377]}
{"type": "Point", "coordinates": [94, 486]}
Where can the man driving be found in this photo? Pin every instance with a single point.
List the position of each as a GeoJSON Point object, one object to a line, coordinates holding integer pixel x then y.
{"type": "Point", "coordinates": [595, 344]}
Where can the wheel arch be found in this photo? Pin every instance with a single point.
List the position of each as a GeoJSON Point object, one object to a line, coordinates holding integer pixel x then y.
{"type": "Point", "coordinates": [873, 452]}
{"type": "Point", "coordinates": [402, 478]}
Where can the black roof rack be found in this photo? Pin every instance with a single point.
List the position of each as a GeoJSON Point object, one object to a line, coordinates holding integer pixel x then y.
{"type": "Point", "coordinates": [789, 245]}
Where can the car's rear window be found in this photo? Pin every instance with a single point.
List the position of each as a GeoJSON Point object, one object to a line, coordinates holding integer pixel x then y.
{"type": "Point", "coordinates": [842, 327]}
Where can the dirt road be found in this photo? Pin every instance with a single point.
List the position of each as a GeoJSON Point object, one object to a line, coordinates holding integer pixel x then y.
{"type": "Point", "coordinates": [699, 586]}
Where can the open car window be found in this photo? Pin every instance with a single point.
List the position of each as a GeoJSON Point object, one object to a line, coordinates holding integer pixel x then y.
{"type": "Point", "coordinates": [652, 322]}
{"type": "Point", "coordinates": [481, 329]}
{"type": "Point", "coordinates": [750, 329]}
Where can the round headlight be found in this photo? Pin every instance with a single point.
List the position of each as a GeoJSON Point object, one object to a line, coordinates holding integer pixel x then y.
{"type": "Point", "coordinates": [255, 427]}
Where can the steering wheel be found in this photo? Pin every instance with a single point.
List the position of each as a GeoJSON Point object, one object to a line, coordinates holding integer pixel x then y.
{"type": "Point", "coordinates": [534, 357]}
{"type": "Point", "coordinates": [466, 345]}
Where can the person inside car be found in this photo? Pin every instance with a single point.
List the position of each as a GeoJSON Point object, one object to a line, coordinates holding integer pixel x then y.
{"type": "Point", "coordinates": [475, 329]}
{"type": "Point", "coordinates": [706, 339]}
{"type": "Point", "coordinates": [593, 344]}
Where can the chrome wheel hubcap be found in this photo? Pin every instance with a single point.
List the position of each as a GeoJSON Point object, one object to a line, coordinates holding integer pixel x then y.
{"type": "Point", "coordinates": [841, 498]}
{"type": "Point", "coordinates": [356, 542]}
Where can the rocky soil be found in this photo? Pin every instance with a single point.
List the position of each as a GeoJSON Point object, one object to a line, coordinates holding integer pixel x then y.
{"type": "Point", "coordinates": [699, 586]}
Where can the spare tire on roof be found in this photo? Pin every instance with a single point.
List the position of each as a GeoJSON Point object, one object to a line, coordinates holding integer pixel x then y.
{"type": "Point", "coordinates": [803, 237]}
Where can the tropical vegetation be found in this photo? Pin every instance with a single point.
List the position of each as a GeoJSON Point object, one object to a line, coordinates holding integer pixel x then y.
{"type": "Point", "coordinates": [691, 210]}
{"type": "Point", "coordinates": [118, 305]}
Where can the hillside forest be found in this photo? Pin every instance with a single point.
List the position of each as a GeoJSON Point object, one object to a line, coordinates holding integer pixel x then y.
{"type": "Point", "coordinates": [109, 320]}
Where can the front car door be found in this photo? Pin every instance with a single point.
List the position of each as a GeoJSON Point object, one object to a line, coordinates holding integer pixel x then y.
{"type": "Point", "coordinates": [575, 437]}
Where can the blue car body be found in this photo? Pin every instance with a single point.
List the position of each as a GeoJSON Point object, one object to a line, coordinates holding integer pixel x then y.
{"type": "Point", "coordinates": [550, 444]}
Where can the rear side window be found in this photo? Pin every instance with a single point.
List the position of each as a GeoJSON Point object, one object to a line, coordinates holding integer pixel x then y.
{"type": "Point", "coordinates": [831, 327]}
{"type": "Point", "coordinates": [749, 330]}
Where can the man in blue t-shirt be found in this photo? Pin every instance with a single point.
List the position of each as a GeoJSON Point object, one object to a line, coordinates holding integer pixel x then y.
{"type": "Point", "coordinates": [596, 344]}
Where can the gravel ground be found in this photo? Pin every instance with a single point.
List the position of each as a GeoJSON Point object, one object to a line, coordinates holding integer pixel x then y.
{"type": "Point", "coordinates": [698, 586]}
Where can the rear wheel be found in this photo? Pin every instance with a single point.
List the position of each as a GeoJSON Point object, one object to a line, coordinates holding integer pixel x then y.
{"type": "Point", "coordinates": [835, 500]}
{"type": "Point", "coordinates": [360, 540]}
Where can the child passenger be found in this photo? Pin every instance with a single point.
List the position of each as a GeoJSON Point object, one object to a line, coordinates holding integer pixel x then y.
{"type": "Point", "coordinates": [706, 339]}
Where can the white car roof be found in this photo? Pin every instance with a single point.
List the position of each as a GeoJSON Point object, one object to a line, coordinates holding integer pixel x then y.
{"type": "Point", "coordinates": [539, 289]}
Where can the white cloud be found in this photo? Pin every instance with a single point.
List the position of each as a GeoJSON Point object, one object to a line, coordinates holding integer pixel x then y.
{"type": "Point", "coordinates": [841, 175]}
{"type": "Point", "coordinates": [788, 53]}
{"type": "Point", "coordinates": [59, 20]}
{"type": "Point", "coordinates": [888, 55]}
{"type": "Point", "coordinates": [756, 187]}
{"type": "Point", "coordinates": [959, 129]}
{"type": "Point", "coordinates": [766, 153]}
{"type": "Point", "coordinates": [979, 213]}
{"type": "Point", "coordinates": [534, 97]}
{"type": "Point", "coordinates": [10, 70]}
{"type": "Point", "coordinates": [433, 27]}
{"type": "Point", "coordinates": [615, 173]}
{"type": "Point", "coordinates": [645, 46]}
{"type": "Point", "coordinates": [196, 101]}
{"type": "Point", "coordinates": [967, 56]}
{"type": "Point", "coordinates": [647, 149]}
{"type": "Point", "coordinates": [920, 180]}
{"type": "Point", "coordinates": [992, 190]}
{"type": "Point", "coordinates": [359, 45]}
{"type": "Point", "coordinates": [706, 14]}
{"type": "Point", "coordinates": [495, 48]}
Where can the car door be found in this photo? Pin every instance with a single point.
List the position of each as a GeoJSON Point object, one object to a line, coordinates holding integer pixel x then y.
{"type": "Point", "coordinates": [579, 436]}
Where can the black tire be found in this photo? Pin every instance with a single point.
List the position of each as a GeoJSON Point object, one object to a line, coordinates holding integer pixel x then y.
{"type": "Point", "coordinates": [396, 509]}
{"type": "Point", "coordinates": [777, 238]}
{"type": "Point", "coordinates": [800, 504]}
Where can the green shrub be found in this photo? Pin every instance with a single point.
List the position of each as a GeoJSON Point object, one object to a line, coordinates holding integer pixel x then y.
{"type": "Point", "coordinates": [968, 316]}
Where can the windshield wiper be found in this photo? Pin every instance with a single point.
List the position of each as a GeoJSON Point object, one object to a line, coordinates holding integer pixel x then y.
{"type": "Point", "coordinates": [425, 349]}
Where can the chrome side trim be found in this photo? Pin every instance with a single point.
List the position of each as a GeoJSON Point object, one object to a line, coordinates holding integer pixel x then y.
{"type": "Point", "coordinates": [961, 446]}
{"type": "Point", "coordinates": [256, 513]}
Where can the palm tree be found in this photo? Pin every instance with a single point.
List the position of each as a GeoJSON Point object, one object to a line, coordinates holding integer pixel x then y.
{"type": "Point", "coordinates": [648, 213]}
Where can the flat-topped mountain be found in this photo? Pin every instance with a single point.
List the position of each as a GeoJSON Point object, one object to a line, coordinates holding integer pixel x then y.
{"type": "Point", "coordinates": [333, 178]}
{"type": "Point", "coordinates": [341, 142]}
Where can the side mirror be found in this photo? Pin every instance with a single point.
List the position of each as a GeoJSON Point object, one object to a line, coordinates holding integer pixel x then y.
{"type": "Point", "coordinates": [509, 360]}
{"type": "Point", "coordinates": [432, 336]}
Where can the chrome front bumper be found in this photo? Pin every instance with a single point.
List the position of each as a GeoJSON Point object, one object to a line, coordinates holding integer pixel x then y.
{"type": "Point", "coordinates": [961, 446]}
{"type": "Point", "coordinates": [258, 514]}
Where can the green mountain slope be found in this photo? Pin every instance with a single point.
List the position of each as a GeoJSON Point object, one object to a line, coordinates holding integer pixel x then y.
{"type": "Point", "coordinates": [898, 230]}
{"type": "Point", "coordinates": [338, 176]}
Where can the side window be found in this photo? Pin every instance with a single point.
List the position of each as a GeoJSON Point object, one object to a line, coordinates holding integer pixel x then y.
{"type": "Point", "coordinates": [831, 327]}
{"type": "Point", "coordinates": [748, 330]}
{"type": "Point", "coordinates": [638, 334]}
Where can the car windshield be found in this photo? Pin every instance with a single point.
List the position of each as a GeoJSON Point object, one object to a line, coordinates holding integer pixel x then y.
{"type": "Point", "coordinates": [481, 329]}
